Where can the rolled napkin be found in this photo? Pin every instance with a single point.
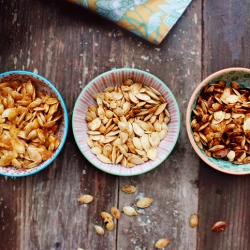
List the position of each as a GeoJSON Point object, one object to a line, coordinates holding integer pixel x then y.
{"type": "Point", "coordinates": [149, 19]}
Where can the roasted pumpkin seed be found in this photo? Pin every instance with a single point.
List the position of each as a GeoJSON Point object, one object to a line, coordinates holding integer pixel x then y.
{"type": "Point", "coordinates": [99, 230]}
{"type": "Point", "coordinates": [130, 211]}
{"type": "Point", "coordinates": [161, 243]}
{"type": "Point", "coordinates": [219, 226]}
{"type": "Point", "coordinates": [129, 189]}
{"type": "Point", "coordinates": [115, 212]}
{"type": "Point", "coordinates": [85, 198]}
{"type": "Point", "coordinates": [193, 222]}
{"type": "Point", "coordinates": [144, 202]}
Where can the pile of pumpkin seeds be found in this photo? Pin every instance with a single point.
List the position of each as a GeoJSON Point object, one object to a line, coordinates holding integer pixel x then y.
{"type": "Point", "coordinates": [127, 124]}
{"type": "Point", "coordinates": [29, 122]}
{"type": "Point", "coordinates": [221, 122]}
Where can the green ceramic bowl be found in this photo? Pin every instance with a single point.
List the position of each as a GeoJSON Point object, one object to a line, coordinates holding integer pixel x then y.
{"type": "Point", "coordinates": [240, 75]}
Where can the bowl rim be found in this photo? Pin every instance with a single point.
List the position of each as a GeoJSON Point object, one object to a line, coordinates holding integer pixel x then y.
{"type": "Point", "coordinates": [188, 115]}
{"type": "Point", "coordinates": [142, 72]}
{"type": "Point", "coordinates": [66, 120]}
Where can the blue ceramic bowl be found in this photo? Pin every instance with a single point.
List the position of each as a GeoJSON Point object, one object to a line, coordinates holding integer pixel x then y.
{"type": "Point", "coordinates": [44, 85]}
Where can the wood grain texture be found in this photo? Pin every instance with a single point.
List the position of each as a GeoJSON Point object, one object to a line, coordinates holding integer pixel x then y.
{"type": "Point", "coordinates": [70, 46]}
{"type": "Point", "coordinates": [224, 197]}
{"type": "Point", "coordinates": [42, 211]}
{"type": "Point", "coordinates": [176, 62]}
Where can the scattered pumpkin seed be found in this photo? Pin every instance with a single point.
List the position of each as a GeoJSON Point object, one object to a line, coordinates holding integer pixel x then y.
{"type": "Point", "coordinates": [144, 202]}
{"type": "Point", "coordinates": [99, 230]}
{"type": "Point", "coordinates": [85, 198]}
{"type": "Point", "coordinates": [161, 243]}
{"type": "Point", "coordinates": [109, 224]}
{"type": "Point", "coordinates": [129, 189]}
{"type": "Point", "coordinates": [219, 226]}
{"type": "Point", "coordinates": [130, 211]}
{"type": "Point", "coordinates": [105, 215]}
{"type": "Point", "coordinates": [193, 222]}
{"type": "Point", "coordinates": [115, 212]}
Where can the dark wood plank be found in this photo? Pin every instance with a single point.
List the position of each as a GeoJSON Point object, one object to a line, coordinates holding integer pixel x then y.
{"type": "Point", "coordinates": [224, 197]}
{"type": "Point", "coordinates": [176, 61]}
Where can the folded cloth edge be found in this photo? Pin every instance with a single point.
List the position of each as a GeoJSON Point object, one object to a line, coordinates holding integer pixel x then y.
{"type": "Point", "coordinates": [149, 19]}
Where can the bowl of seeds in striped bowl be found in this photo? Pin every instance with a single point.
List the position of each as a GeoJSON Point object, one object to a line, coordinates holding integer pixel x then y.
{"type": "Point", "coordinates": [126, 122]}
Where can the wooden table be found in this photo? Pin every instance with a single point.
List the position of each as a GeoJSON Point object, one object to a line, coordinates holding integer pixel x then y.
{"type": "Point", "coordinates": [71, 46]}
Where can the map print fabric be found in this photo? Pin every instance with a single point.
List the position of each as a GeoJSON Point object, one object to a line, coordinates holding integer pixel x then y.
{"type": "Point", "coordinates": [149, 19]}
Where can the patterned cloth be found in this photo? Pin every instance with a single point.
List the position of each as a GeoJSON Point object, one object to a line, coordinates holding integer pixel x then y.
{"type": "Point", "coordinates": [150, 19]}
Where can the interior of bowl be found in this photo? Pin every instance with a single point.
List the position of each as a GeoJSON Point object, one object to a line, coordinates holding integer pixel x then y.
{"type": "Point", "coordinates": [112, 78]}
{"type": "Point", "coordinates": [42, 85]}
{"type": "Point", "coordinates": [242, 76]}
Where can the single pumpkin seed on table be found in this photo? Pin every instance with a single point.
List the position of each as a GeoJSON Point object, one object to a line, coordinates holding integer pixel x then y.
{"type": "Point", "coordinates": [193, 222]}
{"type": "Point", "coordinates": [115, 212]}
{"type": "Point", "coordinates": [105, 215]}
{"type": "Point", "coordinates": [130, 211]}
{"type": "Point", "coordinates": [109, 224]}
{"type": "Point", "coordinates": [99, 230]}
{"type": "Point", "coordinates": [86, 198]}
{"type": "Point", "coordinates": [108, 220]}
{"type": "Point", "coordinates": [129, 189]}
{"type": "Point", "coordinates": [161, 243]}
{"type": "Point", "coordinates": [132, 119]}
{"type": "Point", "coordinates": [219, 226]}
{"type": "Point", "coordinates": [144, 202]}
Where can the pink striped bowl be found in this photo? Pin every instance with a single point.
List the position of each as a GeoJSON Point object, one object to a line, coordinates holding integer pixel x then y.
{"type": "Point", "coordinates": [112, 78]}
